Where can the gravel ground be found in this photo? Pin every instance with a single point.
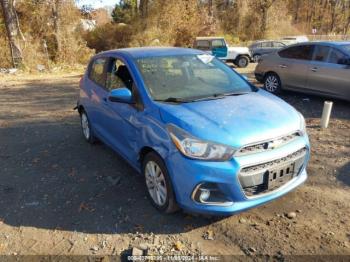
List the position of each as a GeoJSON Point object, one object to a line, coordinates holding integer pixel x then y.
{"type": "Point", "coordinates": [62, 196]}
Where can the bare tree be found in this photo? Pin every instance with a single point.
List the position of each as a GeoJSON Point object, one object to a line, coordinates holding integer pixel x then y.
{"type": "Point", "coordinates": [56, 16]}
{"type": "Point", "coordinates": [13, 32]}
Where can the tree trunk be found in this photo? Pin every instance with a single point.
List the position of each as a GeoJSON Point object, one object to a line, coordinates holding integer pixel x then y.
{"type": "Point", "coordinates": [56, 27]}
{"type": "Point", "coordinates": [144, 8]}
{"type": "Point", "coordinates": [12, 30]}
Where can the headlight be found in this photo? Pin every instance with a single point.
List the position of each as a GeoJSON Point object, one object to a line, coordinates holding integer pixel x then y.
{"type": "Point", "coordinates": [302, 124]}
{"type": "Point", "coordinates": [198, 149]}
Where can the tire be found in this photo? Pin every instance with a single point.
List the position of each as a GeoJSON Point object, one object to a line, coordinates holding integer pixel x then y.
{"type": "Point", "coordinates": [256, 58]}
{"type": "Point", "coordinates": [272, 83]}
{"type": "Point", "coordinates": [86, 128]}
{"type": "Point", "coordinates": [242, 61]}
{"type": "Point", "coordinates": [162, 195]}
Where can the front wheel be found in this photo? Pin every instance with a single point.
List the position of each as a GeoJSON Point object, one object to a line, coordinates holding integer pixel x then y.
{"type": "Point", "coordinates": [158, 184]}
{"type": "Point", "coordinates": [242, 61]}
{"type": "Point", "coordinates": [272, 83]}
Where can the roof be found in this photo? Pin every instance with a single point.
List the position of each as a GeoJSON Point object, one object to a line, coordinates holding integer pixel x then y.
{"type": "Point", "coordinates": [332, 43]}
{"type": "Point", "coordinates": [209, 37]}
{"type": "Point", "coordinates": [141, 52]}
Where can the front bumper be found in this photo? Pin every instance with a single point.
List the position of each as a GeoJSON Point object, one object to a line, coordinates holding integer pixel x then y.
{"type": "Point", "coordinates": [187, 174]}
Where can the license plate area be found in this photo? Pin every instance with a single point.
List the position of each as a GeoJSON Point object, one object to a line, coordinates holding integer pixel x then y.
{"type": "Point", "coordinates": [280, 175]}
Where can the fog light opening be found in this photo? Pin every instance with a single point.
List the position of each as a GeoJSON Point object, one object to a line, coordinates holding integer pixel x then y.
{"type": "Point", "coordinates": [210, 194]}
{"type": "Point", "coordinates": [204, 195]}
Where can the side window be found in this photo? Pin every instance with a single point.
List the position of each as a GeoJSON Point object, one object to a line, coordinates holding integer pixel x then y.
{"type": "Point", "coordinates": [266, 44]}
{"type": "Point", "coordinates": [97, 73]}
{"type": "Point", "coordinates": [303, 52]}
{"type": "Point", "coordinates": [217, 43]}
{"type": "Point", "coordinates": [321, 53]}
{"type": "Point", "coordinates": [278, 44]}
{"type": "Point", "coordinates": [118, 75]}
{"type": "Point", "coordinates": [203, 45]}
{"type": "Point", "coordinates": [337, 57]}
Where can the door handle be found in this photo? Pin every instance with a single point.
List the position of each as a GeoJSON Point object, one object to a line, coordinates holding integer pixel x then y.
{"type": "Point", "coordinates": [283, 66]}
{"type": "Point", "coordinates": [314, 69]}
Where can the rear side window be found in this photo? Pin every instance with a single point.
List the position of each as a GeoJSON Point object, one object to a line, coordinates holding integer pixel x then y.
{"type": "Point", "coordinates": [266, 44]}
{"type": "Point", "coordinates": [278, 44]}
{"type": "Point", "coordinates": [97, 72]}
{"type": "Point", "coordinates": [203, 44]}
{"type": "Point", "coordinates": [303, 52]}
{"type": "Point", "coordinates": [321, 53]}
{"type": "Point", "coordinates": [337, 57]}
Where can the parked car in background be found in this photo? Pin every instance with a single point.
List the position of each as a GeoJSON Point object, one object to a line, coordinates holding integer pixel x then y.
{"type": "Point", "coordinates": [321, 68]}
{"type": "Point", "coordinates": [295, 39]}
{"type": "Point", "coordinates": [203, 138]}
{"type": "Point", "coordinates": [218, 47]}
{"type": "Point", "coordinates": [264, 47]}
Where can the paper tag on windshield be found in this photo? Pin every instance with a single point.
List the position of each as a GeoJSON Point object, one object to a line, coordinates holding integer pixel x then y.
{"type": "Point", "coordinates": [205, 58]}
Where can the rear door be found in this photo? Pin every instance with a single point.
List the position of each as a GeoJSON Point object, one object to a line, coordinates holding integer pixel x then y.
{"type": "Point", "coordinates": [328, 74]}
{"type": "Point", "coordinates": [96, 80]}
{"type": "Point", "coordinates": [292, 66]}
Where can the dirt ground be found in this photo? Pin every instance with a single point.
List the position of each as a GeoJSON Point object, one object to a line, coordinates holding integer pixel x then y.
{"type": "Point", "coordinates": [61, 196]}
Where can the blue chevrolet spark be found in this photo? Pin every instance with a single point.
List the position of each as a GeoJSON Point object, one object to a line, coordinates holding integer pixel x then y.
{"type": "Point", "coordinates": [204, 139]}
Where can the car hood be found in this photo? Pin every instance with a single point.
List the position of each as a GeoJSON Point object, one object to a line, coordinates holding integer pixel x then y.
{"type": "Point", "coordinates": [234, 120]}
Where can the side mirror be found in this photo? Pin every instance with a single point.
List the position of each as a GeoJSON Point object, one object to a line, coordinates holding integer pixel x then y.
{"type": "Point", "coordinates": [121, 95]}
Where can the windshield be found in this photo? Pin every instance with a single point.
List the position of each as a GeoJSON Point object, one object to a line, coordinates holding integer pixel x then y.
{"type": "Point", "coordinates": [346, 48]}
{"type": "Point", "coordinates": [189, 77]}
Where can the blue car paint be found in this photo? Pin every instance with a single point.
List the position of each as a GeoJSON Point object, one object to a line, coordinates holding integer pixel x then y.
{"type": "Point", "coordinates": [235, 121]}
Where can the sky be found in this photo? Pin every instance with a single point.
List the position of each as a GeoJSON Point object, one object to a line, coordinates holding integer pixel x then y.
{"type": "Point", "coordinates": [97, 3]}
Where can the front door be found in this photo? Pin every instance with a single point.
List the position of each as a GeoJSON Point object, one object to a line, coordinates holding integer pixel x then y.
{"type": "Point", "coordinates": [121, 120]}
{"type": "Point", "coordinates": [219, 48]}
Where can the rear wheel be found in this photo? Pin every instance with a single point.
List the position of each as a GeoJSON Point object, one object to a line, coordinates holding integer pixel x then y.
{"type": "Point", "coordinates": [242, 61]}
{"type": "Point", "coordinates": [158, 183]}
{"type": "Point", "coordinates": [272, 83]}
{"type": "Point", "coordinates": [86, 128]}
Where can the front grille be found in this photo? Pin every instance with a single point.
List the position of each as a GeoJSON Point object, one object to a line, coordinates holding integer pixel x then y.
{"type": "Point", "coordinates": [255, 179]}
{"type": "Point", "coordinates": [268, 145]}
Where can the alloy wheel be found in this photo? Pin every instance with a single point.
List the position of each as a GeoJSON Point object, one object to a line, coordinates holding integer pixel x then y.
{"type": "Point", "coordinates": [85, 126]}
{"type": "Point", "coordinates": [155, 182]}
{"type": "Point", "coordinates": [272, 83]}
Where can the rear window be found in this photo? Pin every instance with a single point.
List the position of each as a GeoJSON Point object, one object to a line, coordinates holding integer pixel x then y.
{"type": "Point", "coordinates": [303, 52]}
{"type": "Point", "coordinates": [202, 44]}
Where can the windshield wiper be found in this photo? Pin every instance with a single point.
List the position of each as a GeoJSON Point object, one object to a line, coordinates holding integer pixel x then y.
{"type": "Point", "coordinates": [173, 100]}
{"type": "Point", "coordinates": [218, 96]}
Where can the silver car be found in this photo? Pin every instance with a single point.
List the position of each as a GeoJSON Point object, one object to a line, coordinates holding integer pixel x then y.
{"type": "Point", "coordinates": [315, 67]}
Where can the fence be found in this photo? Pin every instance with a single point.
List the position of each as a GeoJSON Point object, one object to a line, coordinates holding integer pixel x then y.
{"type": "Point", "coordinates": [329, 37]}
